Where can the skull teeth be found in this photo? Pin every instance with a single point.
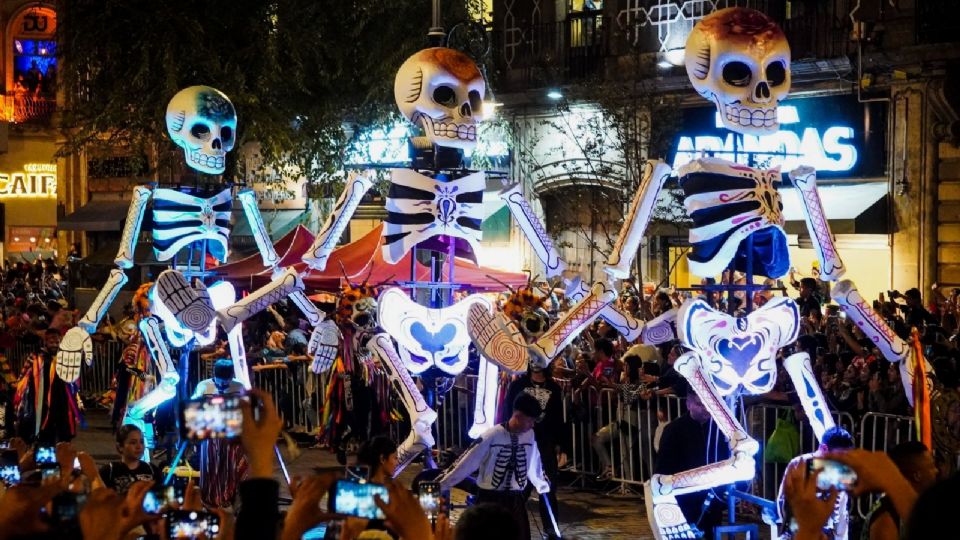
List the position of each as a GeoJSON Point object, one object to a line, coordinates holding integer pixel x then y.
{"type": "Point", "coordinates": [206, 160]}
{"type": "Point", "coordinates": [749, 117]}
{"type": "Point", "coordinates": [447, 130]}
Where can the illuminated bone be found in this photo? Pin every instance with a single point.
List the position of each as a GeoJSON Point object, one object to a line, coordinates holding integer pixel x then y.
{"type": "Point", "coordinates": [281, 287]}
{"type": "Point", "coordinates": [661, 329]}
{"type": "Point", "coordinates": [323, 244]}
{"type": "Point", "coordinates": [91, 319]}
{"type": "Point", "coordinates": [870, 322]}
{"type": "Point", "coordinates": [620, 262]}
{"type": "Point", "coordinates": [131, 227]}
{"type": "Point", "coordinates": [533, 230]}
{"type": "Point", "coordinates": [808, 389]}
{"type": "Point", "coordinates": [421, 416]}
{"type": "Point", "coordinates": [630, 327]}
{"type": "Point", "coordinates": [740, 351]}
{"type": "Point", "coordinates": [497, 338]}
{"type": "Point", "coordinates": [181, 306]}
{"type": "Point", "coordinates": [248, 200]}
{"type": "Point", "coordinates": [76, 347]}
{"type": "Point", "coordinates": [167, 387]}
{"type": "Point", "coordinates": [831, 266]}
{"type": "Point", "coordinates": [223, 294]}
{"type": "Point", "coordinates": [908, 368]}
{"type": "Point", "coordinates": [661, 490]}
{"type": "Point", "coordinates": [314, 316]}
{"type": "Point", "coordinates": [323, 345]}
{"type": "Point", "coordinates": [571, 324]}
{"type": "Point", "coordinates": [428, 337]}
{"type": "Point", "coordinates": [485, 404]}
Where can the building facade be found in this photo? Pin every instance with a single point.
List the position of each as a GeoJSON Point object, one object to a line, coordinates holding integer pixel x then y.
{"type": "Point", "coordinates": [873, 107]}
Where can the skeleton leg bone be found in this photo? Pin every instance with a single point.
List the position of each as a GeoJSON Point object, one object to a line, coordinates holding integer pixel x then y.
{"type": "Point", "coordinates": [282, 286]}
{"type": "Point", "coordinates": [666, 519]}
{"type": "Point", "coordinates": [131, 227]}
{"type": "Point", "coordinates": [422, 417]}
{"type": "Point", "coordinates": [167, 387]}
{"type": "Point", "coordinates": [805, 180]}
{"type": "Point", "coordinates": [572, 323]}
{"type": "Point", "coordinates": [811, 397]}
{"type": "Point", "coordinates": [485, 405]}
{"type": "Point", "coordinates": [638, 217]}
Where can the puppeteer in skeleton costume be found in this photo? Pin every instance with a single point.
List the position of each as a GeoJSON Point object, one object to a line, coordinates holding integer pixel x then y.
{"type": "Point", "coordinates": [188, 226]}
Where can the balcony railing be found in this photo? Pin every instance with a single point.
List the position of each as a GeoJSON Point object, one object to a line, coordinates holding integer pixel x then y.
{"type": "Point", "coordinates": [22, 108]}
{"type": "Point", "coordinates": [578, 47]}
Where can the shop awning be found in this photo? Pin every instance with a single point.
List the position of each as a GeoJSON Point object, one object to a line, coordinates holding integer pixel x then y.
{"type": "Point", "coordinates": [96, 216]}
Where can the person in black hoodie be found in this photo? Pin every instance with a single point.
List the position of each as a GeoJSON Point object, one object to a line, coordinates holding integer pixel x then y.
{"type": "Point", "coordinates": [538, 383]}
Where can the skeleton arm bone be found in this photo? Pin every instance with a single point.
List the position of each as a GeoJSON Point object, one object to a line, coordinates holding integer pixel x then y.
{"type": "Point", "coordinates": [637, 218]}
{"type": "Point", "coordinates": [870, 322]}
{"type": "Point", "coordinates": [160, 356]}
{"type": "Point", "coordinates": [353, 192]}
{"type": "Point", "coordinates": [831, 266]}
{"type": "Point", "coordinates": [485, 402]}
{"type": "Point", "coordinates": [572, 323]}
{"type": "Point", "coordinates": [533, 230]}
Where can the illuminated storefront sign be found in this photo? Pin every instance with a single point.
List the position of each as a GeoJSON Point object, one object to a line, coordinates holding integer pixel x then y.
{"type": "Point", "coordinates": [834, 135]}
{"type": "Point", "coordinates": [36, 180]}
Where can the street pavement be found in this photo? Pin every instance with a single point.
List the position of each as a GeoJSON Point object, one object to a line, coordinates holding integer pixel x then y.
{"type": "Point", "coordinates": [584, 514]}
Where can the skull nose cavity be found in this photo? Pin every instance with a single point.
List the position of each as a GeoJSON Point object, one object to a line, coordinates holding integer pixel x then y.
{"type": "Point", "coordinates": [466, 111]}
{"type": "Point", "coordinates": [216, 144]}
{"type": "Point", "coordinates": [761, 93]}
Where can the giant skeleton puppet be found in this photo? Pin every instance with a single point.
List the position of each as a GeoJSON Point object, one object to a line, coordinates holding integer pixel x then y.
{"type": "Point", "coordinates": [739, 59]}
{"type": "Point", "coordinates": [203, 122]}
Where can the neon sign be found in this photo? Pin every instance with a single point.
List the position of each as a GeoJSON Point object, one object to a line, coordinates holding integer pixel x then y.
{"type": "Point", "coordinates": [829, 134]}
{"type": "Point", "coordinates": [37, 180]}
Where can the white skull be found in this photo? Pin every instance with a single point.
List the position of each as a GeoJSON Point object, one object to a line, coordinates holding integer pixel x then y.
{"type": "Point", "coordinates": [739, 59]}
{"type": "Point", "coordinates": [203, 122]}
{"type": "Point", "coordinates": [441, 90]}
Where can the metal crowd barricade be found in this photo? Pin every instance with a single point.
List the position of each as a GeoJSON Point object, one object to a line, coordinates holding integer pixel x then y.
{"type": "Point", "coordinates": [296, 391]}
{"type": "Point", "coordinates": [761, 421]}
{"type": "Point", "coordinates": [97, 378]}
{"type": "Point", "coordinates": [18, 354]}
{"type": "Point", "coordinates": [881, 432]}
{"type": "Point", "coordinates": [455, 415]}
{"type": "Point", "coordinates": [632, 448]}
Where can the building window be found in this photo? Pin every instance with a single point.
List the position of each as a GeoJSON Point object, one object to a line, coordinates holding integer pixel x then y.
{"type": "Point", "coordinates": [32, 78]}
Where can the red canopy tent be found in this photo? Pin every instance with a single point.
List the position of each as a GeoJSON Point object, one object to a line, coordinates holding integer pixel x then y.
{"type": "Point", "coordinates": [358, 259]}
{"type": "Point", "coordinates": [290, 248]}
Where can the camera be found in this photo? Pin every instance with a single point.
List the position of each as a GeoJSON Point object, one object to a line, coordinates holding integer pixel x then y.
{"type": "Point", "coordinates": [355, 499]}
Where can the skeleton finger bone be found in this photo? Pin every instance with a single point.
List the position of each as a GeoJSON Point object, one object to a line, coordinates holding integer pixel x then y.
{"type": "Point", "coordinates": [248, 200]}
{"type": "Point", "coordinates": [831, 266]}
{"type": "Point", "coordinates": [869, 321]}
{"type": "Point", "coordinates": [131, 227]}
{"type": "Point", "coordinates": [286, 284]}
{"type": "Point", "coordinates": [638, 217]}
{"type": "Point", "coordinates": [353, 192]}
{"type": "Point", "coordinates": [100, 305]}
{"type": "Point", "coordinates": [811, 397]}
{"type": "Point", "coordinates": [497, 338]}
{"type": "Point", "coordinates": [572, 323]}
{"type": "Point", "coordinates": [533, 230]}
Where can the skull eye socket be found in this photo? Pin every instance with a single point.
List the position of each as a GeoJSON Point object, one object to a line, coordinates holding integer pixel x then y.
{"type": "Point", "coordinates": [737, 74]}
{"type": "Point", "coordinates": [776, 74]}
{"type": "Point", "coordinates": [476, 102]}
{"type": "Point", "coordinates": [200, 131]}
{"type": "Point", "coordinates": [444, 95]}
{"type": "Point", "coordinates": [226, 133]}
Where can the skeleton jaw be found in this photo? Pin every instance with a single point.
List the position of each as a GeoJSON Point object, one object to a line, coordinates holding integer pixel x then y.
{"type": "Point", "coordinates": [445, 132]}
{"type": "Point", "coordinates": [748, 118]}
{"type": "Point", "coordinates": [210, 164]}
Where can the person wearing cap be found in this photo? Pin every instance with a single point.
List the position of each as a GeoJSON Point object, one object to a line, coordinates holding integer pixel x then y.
{"type": "Point", "coordinates": [538, 383]}
{"type": "Point", "coordinates": [915, 315]}
{"type": "Point", "coordinates": [506, 460]}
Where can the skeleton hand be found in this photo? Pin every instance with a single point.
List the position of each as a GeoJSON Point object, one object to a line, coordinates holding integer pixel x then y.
{"type": "Point", "coordinates": [497, 338]}
{"type": "Point", "coordinates": [75, 347]}
{"type": "Point", "coordinates": [323, 345]}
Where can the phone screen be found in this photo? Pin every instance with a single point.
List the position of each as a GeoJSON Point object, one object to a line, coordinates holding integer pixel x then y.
{"type": "Point", "coordinates": [66, 506]}
{"type": "Point", "coordinates": [10, 475]}
{"type": "Point", "coordinates": [191, 524]}
{"type": "Point", "coordinates": [356, 499]}
{"type": "Point", "coordinates": [157, 498]}
{"type": "Point", "coordinates": [212, 417]}
{"type": "Point", "coordinates": [45, 454]}
{"type": "Point", "coordinates": [833, 474]}
{"type": "Point", "coordinates": [429, 495]}
{"type": "Point", "coordinates": [317, 533]}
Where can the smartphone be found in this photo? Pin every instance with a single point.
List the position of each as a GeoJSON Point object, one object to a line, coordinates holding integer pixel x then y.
{"type": "Point", "coordinates": [355, 499]}
{"type": "Point", "coordinates": [317, 533]}
{"type": "Point", "coordinates": [45, 454]}
{"type": "Point", "coordinates": [158, 498]}
{"type": "Point", "coordinates": [49, 470]}
{"type": "Point", "coordinates": [360, 473]}
{"type": "Point", "coordinates": [191, 524]}
{"type": "Point", "coordinates": [833, 474]}
{"type": "Point", "coordinates": [180, 488]}
{"type": "Point", "coordinates": [10, 474]}
{"type": "Point", "coordinates": [65, 507]}
{"type": "Point", "coordinates": [429, 495]}
{"type": "Point", "coordinates": [211, 417]}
